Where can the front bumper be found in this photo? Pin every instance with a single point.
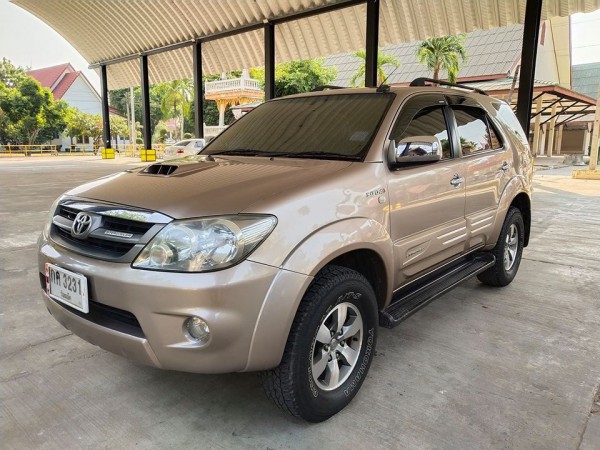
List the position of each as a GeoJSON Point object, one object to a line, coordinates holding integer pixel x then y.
{"type": "Point", "coordinates": [231, 301]}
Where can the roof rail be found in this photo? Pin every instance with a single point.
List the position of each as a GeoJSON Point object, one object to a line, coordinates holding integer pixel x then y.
{"type": "Point", "coordinates": [421, 82]}
{"type": "Point", "coordinates": [327, 86]}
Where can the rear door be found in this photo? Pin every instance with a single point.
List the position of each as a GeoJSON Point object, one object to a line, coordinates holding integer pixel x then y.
{"type": "Point", "coordinates": [488, 167]}
{"type": "Point", "coordinates": [427, 201]}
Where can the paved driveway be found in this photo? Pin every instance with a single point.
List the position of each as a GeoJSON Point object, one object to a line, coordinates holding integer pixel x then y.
{"type": "Point", "coordinates": [479, 368]}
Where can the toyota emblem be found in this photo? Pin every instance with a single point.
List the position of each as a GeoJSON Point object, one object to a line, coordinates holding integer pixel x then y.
{"type": "Point", "coordinates": [82, 225]}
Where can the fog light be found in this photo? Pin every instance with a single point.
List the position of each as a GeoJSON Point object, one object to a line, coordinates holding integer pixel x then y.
{"type": "Point", "coordinates": [197, 330]}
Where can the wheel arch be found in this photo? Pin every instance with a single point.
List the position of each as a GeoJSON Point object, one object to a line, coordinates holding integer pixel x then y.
{"type": "Point", "coordinates": [517, 194]}
{"type": "Point", "coordinates": [361, 244]}
{"type": "Point", "coordinates": [523, 203]}
{"type": "Point", "coordinates": [369, 264]}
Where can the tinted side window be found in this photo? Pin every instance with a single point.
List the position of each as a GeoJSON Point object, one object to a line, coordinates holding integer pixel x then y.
{"type": "Point", "coordinates": [473, 130]}
{"type": "Point", "coordinates": [427, 122]}
{"type": "Point", "coordinates": [510, 122]}
{"type": "Point", "coordinates": [494, 135]}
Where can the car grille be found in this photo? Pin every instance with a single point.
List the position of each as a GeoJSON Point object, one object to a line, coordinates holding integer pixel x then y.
{"type": "Point", "coordinates": [115, 249]}
{"type": "Point", "coordinates": [112, 238]}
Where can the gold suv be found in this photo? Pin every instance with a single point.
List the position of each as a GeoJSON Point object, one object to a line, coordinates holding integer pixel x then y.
{"type": "Point", "coordinates": [293, 236]}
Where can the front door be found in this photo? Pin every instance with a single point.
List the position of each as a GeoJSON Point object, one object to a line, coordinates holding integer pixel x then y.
{"type": "Point", "coordinates": [427, 201]}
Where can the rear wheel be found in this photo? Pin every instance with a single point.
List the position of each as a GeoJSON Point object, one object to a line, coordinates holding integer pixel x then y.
{"type": "Point", "coordinates": [329, 349]}
{"type": "Point", "coordinates": [508, 251]}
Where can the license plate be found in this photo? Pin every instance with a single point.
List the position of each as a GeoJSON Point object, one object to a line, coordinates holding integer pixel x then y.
{"type": "Point", "coordinates": [67, 287]}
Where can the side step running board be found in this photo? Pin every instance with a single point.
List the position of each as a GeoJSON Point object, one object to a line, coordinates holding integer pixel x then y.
{"type": "Point", "coordinates": [415, 296]}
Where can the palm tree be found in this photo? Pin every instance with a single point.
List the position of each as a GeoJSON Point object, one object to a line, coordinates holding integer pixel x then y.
{"type": "Point", "coordinates": [176, 100]}
{"type": "Point", "coordinates": [382, 60]}
{"type": "Point", "coordinates": [443, 53]}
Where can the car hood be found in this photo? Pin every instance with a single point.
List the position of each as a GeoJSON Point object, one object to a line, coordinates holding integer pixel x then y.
{"type": "Point", "coordinates": [197, 186]}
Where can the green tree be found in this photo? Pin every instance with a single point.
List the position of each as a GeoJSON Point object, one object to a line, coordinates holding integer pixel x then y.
{"type": "Point", "coordinates": [383, 59]}
{"type": "Point", "coordinates": [119, 99]}
{"type": "Point", "coordinates": [295, 77]}
{"type": "Point", "coordinates": [443, 53]}
{"type": "Point", "coordinates": [29, 113]}
{"type": "Point", "coordinates": [11, 75]}
{"type": "Point", "coordinates": [176, 98]}
{"type": "Point", "coordinates": [118, 126]}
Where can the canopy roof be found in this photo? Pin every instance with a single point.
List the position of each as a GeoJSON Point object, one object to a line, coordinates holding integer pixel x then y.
{"type": "Point", "coordinates": [115, 30]}
{"type": "Point", "coordinates": [556, 101]}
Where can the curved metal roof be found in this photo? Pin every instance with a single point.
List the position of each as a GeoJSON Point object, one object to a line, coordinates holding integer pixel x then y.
{"type": "Point", "coordinates": [105, 30]}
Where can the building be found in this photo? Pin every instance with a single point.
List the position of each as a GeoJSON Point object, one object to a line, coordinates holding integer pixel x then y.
{"type": "Point", "coordinates": [69, 85]}
{"type": "Point", "coordinates": [493, 64]}
{"type": "Point", "coordinates": [73, 87]}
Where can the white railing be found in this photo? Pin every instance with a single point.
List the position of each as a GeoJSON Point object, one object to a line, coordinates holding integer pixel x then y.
{"type": "Point", "coordinates": [232, 84]}
{"type": "Point", "coordinates": [212, 131]}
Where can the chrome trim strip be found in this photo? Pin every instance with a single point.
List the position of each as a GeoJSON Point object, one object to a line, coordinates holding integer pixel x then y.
{"type": "Point", "coordinates": [118, 211]}
{"type": "Point", "coordinates": [450, 233]}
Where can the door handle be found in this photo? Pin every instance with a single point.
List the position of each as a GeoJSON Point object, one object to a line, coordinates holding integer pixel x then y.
{"type": "Point", "coordinates": [456, 180]}
{"type": "Point", "coordinates": [505, 166]}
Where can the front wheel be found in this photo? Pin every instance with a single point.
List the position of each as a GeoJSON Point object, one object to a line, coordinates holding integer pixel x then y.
{"type": "Point", "coordinates": [329, 349]}
{"type": "Point", "coordinates": [508, 251]}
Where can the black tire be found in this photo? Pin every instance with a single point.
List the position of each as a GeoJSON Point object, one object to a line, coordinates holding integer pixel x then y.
{"type": "Point", "coordinates": [291, 386]}
{"type": "Point", "coordinates": [499, 275]}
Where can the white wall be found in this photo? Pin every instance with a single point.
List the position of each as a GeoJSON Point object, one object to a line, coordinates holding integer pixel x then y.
{"type": "Point", "coordinates": [553, 58]}
{"type": "Point", "coordinates": [82, 97]}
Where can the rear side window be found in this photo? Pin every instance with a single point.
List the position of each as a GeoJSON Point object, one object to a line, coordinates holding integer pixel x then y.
{"type": "Point", "coordinates": [474, 131]}
{"type": "Point", "coordinates": [510, 122]}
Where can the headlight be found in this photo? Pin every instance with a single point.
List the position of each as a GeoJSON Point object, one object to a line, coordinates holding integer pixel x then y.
{"type": "Point", "coordinates": [200, 245]}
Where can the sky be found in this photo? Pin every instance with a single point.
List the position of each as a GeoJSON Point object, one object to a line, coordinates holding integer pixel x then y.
{"type": "Point", "coordinates": [27, 41]}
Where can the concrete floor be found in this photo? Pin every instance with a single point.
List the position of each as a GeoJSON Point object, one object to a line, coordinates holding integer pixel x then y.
{"type": "Point", "coordinates": [517, 367]}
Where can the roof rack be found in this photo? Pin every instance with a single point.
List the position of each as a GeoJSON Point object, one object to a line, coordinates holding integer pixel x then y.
{"type": "Point", "coordinates": [421, 82]}
{"type": "Point", "coordinates": [327, 86]}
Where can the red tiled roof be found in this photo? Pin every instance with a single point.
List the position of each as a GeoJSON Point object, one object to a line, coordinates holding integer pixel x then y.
{"type": "Point", "coordinates": [47, 76]}
{"type": "Point", "coordinates": [114, 111]}
{"type": "Point", "coordinates": [64, 84]}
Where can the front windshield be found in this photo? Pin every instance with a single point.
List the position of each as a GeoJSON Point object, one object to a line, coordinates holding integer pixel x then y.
{"type": "Point", "coordinates": [324, 127]}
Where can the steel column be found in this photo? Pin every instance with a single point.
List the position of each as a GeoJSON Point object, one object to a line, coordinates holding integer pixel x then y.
{"type": "Point", "coordinates": [105, 112]}
{"type": "Point", "coordinates": [595, 135]}
{"type": "Point", "coordinates": [372, 43]}
{"type": "Point", "coordinates": [558, 144]}
{"type": "Point", "coordinates": [536, 128]}
{"type": "Point", "coordinates": [198, 97]}
{"type": "Point", "coordinates": [145, 87]}
{"type": "Point", "coordinates": [531, 31]}
{"type": "Point", "coordinates": [269, 30]}
{"type": "Point", "coordinates": [551, 132]}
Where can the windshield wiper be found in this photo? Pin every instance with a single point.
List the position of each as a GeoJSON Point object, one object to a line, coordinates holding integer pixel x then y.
{"type": "Point", "coordinates": [246, 152]}
{"type": "Point", "coordinates": [268, 154]}
{"type": "Point", "coordinates": [322, 155]}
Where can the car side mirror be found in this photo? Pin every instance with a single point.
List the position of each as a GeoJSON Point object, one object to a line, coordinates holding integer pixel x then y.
{"type": "Point", "coordinates": [415, 150]}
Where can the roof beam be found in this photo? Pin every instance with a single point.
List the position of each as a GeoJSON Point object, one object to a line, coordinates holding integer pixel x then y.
{"type": "Point", "coordinates": [233, 32]}
{"type": "Point", "coordinates": [105, 111]}
{"type": "Point", "coordinates": [269, 30]}
{"type": "Point", "coordinates": [198, 97]}
{"type": "Point", "coordinates": [145, 88]}
{"type": "Point", "coordinates": [533, 15]}
{"type": "Point", "coordinates": [372, 43]}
